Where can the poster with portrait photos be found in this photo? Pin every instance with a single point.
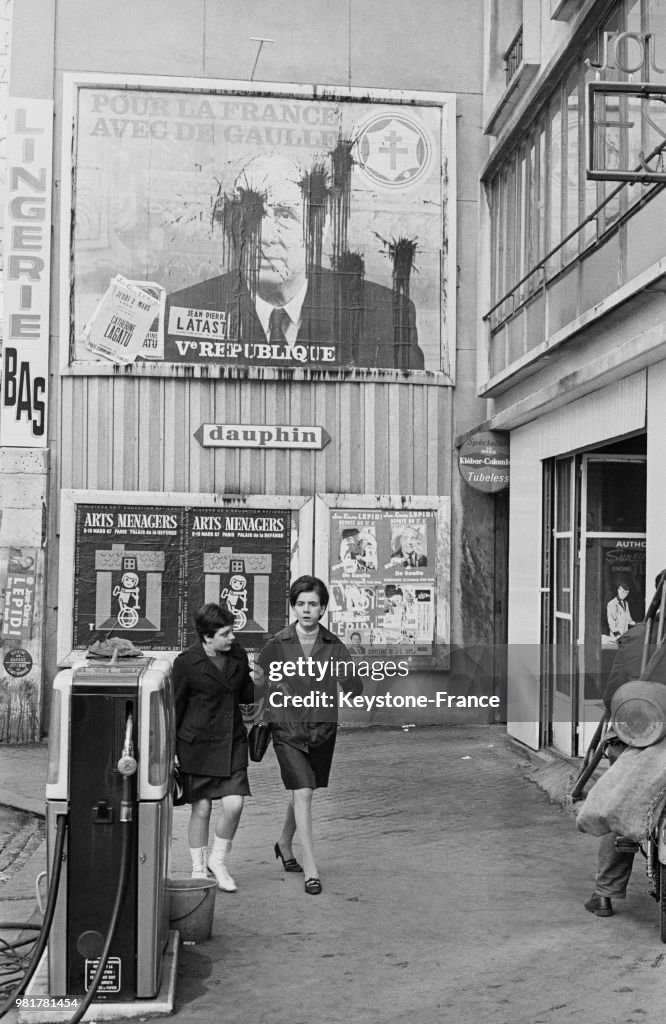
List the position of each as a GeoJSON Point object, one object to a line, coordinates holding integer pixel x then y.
{"type": "Point", "coordinates": [382, 580]}
{"type": "Point", "coordinates": [18, 571]}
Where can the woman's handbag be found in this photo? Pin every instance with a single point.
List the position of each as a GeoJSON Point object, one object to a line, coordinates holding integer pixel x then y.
{"type": "Point", "coordinates": [259, 736]}
{"type": "Point", "coordinates": [258, 740]}
{"type": "Point", "coordinates": [178, 788]}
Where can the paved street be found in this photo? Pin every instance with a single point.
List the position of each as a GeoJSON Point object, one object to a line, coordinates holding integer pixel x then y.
{"type": "Point", "coordinates": [453, 892]}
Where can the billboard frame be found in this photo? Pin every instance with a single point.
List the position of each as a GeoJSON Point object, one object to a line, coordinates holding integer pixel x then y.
{"type": "Point", "coordinates": [446, 102]}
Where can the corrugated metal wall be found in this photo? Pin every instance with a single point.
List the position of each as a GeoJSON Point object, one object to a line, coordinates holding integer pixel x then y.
{"type": "Point", "coordinates": [131, 433]}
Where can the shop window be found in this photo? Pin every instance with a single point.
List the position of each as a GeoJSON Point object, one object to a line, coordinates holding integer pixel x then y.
{"type": "Point", "coordinates": [609, 485]}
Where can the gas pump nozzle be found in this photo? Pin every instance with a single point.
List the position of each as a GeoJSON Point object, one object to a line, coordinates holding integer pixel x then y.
{"type": "Point", "coordinates": [127, 767]}
{"type": "Point", "coordinates": [127, 764]}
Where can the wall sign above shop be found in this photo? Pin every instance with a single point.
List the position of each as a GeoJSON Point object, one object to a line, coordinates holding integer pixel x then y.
{"type": "Point", "coordinates": [262, 435]}
{"type": "Point", "coordinates": [632, 112]}
{"type": "Point", "coordinates": [483, 461]}
{"type": "Point", "coordinates": [629, 52]}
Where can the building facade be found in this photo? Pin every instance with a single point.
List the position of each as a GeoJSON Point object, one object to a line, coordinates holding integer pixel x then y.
{"type": "Point", "coordinates": [166, 437]}
{"type": "Point", "coordinates": [572, 339]}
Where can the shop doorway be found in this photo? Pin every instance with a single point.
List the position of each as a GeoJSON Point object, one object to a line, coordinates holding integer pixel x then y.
{"type": "Point", "coordinates": [593, 581]}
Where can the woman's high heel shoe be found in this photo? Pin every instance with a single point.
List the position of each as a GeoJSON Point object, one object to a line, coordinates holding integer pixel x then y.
{"type": "Point", "coordinates": [313, 886]}
{"type": "Point", "coordinates": [291, 864]}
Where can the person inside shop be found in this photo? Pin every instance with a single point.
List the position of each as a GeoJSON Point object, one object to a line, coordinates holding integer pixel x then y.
{"type": "Point", "coordinates": [211, 679]}
{"type": "Point", "coordinates": [618, 612]}
{"type": "Point", "coordinates": [277, 298]}
{"type": "Point", "coordinates": [616, 854]}
{"type": "Point", "coordinates": [304, 738]}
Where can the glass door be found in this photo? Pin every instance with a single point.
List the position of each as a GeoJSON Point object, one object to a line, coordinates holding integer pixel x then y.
{"type": "Point", "coordinates": [612, 572]}
{"type": "Point", "coordinates": [563, 674]}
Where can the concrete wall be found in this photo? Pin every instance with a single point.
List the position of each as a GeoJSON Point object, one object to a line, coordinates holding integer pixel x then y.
{"type": "Point", "coordinates": [23, 495]}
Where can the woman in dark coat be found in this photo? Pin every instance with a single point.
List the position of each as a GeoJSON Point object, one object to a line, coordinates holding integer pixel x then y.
{"type": "Point", "coordinates": [211, 680]}
{"type": "Point", "coordinates": [304, 738]}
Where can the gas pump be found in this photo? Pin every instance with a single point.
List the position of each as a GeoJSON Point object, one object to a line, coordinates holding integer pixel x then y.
{"type": "Point", "coordinates": [111, 749]}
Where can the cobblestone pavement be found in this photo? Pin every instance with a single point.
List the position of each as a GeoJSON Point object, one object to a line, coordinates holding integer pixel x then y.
{"type": "Point", "coordinates": [453, 892]}
{"type": "Point", "coordinates": [20, 836]}
{"type": "Point", "coordinates": [22, 776]}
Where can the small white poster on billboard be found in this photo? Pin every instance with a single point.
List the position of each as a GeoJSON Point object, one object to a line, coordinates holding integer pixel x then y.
{"type": "Point", "coordinates": [118, 328]}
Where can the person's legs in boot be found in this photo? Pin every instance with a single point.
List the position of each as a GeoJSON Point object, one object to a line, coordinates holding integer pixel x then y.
{"type": "Point", "coordinates": [197, 835]}
{"type": "Point", "coordinates": [613, 873]}
{"type": "Point", "coordinates": [225, 830]}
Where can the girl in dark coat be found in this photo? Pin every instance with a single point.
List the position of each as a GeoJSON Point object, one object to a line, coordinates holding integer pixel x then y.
{"type": "Point", "coordinates": [211, 680]}
{"type": "Point", "coordinates": [303, 738]}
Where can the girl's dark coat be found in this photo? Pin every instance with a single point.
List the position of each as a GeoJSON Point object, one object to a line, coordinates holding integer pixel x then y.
{"type": "Point", "coordinates": [304, 728]}
{"type": "Point", "coordinates": [210, 735]}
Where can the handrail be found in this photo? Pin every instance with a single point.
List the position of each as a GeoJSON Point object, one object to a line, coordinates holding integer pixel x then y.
{"type": "Point", "coordinates": [579, 227]}
{"type": "Point", "coordinates": [513, 57]}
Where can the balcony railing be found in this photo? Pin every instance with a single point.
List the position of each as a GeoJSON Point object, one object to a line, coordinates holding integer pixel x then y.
{"type": "Point", "coordinates": [518, 295]}
{"type": "Point", "coordinates": [513, 57]}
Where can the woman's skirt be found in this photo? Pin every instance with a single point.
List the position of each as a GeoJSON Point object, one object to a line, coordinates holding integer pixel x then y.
{"type": "Point", "coordinates": [305, 768]}
{"type": "Point", "coordinates": [212, 787]}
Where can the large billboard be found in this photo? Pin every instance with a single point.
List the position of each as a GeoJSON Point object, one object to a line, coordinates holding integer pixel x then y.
{"type": "Point", "coordinates": [276, 227]}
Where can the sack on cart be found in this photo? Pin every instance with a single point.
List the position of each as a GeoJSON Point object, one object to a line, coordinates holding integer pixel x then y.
{"type": "Point", "coordinates": [628, 796]}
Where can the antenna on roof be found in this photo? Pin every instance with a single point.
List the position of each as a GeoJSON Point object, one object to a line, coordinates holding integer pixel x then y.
{"type": "Point", "coordinates": [261, 40]}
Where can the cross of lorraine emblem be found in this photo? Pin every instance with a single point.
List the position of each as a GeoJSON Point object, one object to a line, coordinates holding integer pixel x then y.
{"type": "Point", "coordinates": [393, 150]}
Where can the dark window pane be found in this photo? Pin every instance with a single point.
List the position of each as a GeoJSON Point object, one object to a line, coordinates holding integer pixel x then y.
{"type": "Point", "coordinates": [616, 497]}
{"type": "Point", "coordinates": [562, 656]}
{"type": "Point", "coordinates": [563, 485]}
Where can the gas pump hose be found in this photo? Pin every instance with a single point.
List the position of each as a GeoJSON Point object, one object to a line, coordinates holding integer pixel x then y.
{"type": "Point", "coordinates": [123, 878]}
{"type": "Point", "coordinates": [49, 911]}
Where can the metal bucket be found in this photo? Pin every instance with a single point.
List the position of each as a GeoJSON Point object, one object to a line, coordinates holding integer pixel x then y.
{"type": "Point", "coordinates": [191, 907]}
{"type": "Point", "coordinates": [638, 711]}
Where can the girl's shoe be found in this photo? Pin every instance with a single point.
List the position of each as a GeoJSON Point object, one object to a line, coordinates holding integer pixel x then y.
{"type": "Point", "coordinates": [312, 886]}
{"type": "Point", "coordinates": [199, 869]}
{"type": "Point", "coordinates": [217, 864]}
{"type": "Point", "coordinates": [291, 864]}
